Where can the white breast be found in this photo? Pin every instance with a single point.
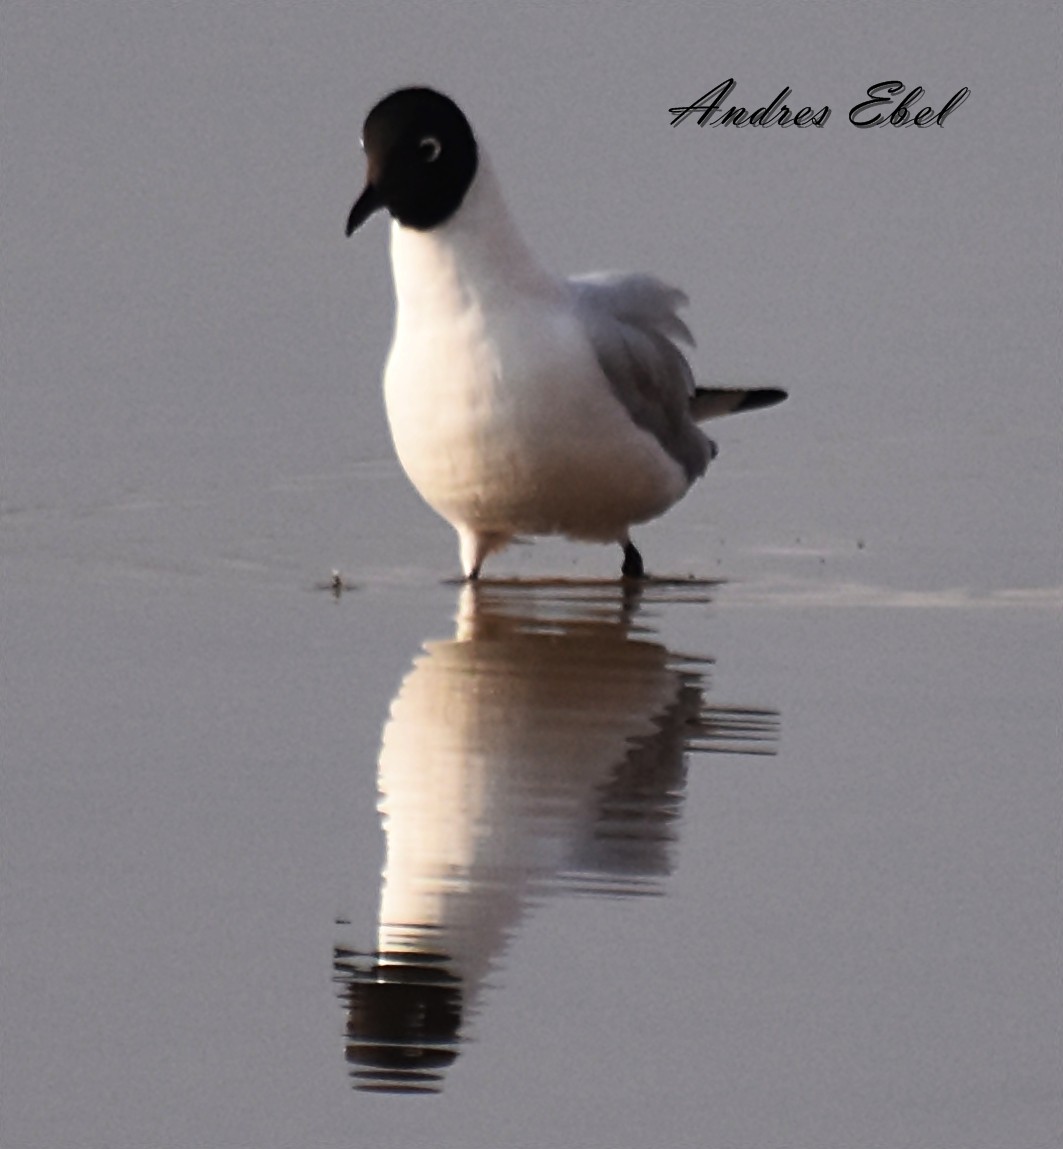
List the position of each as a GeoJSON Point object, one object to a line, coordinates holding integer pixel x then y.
{"type": "Point", "coordinates": [500, 413]}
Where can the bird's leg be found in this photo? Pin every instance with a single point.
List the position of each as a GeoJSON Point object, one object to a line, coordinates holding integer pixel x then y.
{"type": "Point", "coordinates": [632, 567]}
{"type": "Point", "coordinates": [472, 553]}
{"type": "Point", "coordinates": [475, 547]}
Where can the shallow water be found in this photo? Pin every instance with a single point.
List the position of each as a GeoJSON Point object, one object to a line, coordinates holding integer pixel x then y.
{"type": "Point", "coordinates": [541, 751]}
{"type": "Point", "coordinates": [565, 855]}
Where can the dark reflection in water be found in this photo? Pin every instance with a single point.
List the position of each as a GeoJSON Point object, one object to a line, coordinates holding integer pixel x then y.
{"type": "Point", "coordinates": [543, 749]}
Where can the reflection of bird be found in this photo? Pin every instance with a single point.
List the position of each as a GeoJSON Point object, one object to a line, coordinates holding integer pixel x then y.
{"type": "Point", "coordinates": [520, 402]}
{"type": "Point", "coordinates": [532, 752]}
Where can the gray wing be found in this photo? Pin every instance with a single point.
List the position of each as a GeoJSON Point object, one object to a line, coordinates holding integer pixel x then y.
{"type": "Point", "coordinates": [632, 325]}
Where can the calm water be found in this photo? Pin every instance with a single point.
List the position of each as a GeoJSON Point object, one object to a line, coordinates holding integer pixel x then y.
{"type": "Point", "coordinates": [719, 864]}
{"type": "Point", "coordinates": [542, 750]}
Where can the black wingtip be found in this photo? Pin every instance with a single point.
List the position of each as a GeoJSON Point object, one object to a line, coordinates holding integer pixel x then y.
{"type": "Point", "coordinates": [715, 402]}
{"type": "Point", "coordinates": [761, 397]}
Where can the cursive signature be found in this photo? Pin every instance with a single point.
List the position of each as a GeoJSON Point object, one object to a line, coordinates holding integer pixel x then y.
{"type": "Point", "coordinates": [863, 115]}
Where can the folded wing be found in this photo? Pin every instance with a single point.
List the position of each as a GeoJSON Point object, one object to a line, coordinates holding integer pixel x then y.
{"type": "Point", "coordinates": [632, 325]}
{"type": "Point", "coordinates": [634, 328]}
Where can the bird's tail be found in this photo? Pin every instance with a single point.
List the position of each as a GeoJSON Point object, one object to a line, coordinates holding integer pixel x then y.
{"type": "Point", "coordinates": [714, 402]}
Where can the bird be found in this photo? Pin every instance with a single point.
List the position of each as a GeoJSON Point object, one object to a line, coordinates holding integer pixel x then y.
{"type": "Point", "coordinates": [521, 402]}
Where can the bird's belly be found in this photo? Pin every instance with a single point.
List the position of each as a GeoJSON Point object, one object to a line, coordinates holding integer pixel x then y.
{"type": "Point", "coordinates": [526, 451]}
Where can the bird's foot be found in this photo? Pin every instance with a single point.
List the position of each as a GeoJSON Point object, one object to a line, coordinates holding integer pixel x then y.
{"type": "Point", "coordinates": [633, 567]}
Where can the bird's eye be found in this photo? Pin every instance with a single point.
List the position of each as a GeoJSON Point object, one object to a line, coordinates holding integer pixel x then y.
{"type": "Point", "coordinates": [429, 149]}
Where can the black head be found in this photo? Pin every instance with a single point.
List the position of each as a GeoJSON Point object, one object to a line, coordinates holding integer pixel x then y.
{"type": "Point", "coordinates": [422, 159]}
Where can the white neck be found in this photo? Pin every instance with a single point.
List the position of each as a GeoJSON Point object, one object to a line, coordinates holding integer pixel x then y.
{"type": "Point", "coordinates": [476, 257]}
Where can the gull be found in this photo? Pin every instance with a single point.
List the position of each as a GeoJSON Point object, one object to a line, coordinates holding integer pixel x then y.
{"type": "Point", "coordinates": [521, 402]}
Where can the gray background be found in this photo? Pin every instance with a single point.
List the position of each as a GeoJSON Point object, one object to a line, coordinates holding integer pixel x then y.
{"type": "Point", "coordinates": [860, 942]}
